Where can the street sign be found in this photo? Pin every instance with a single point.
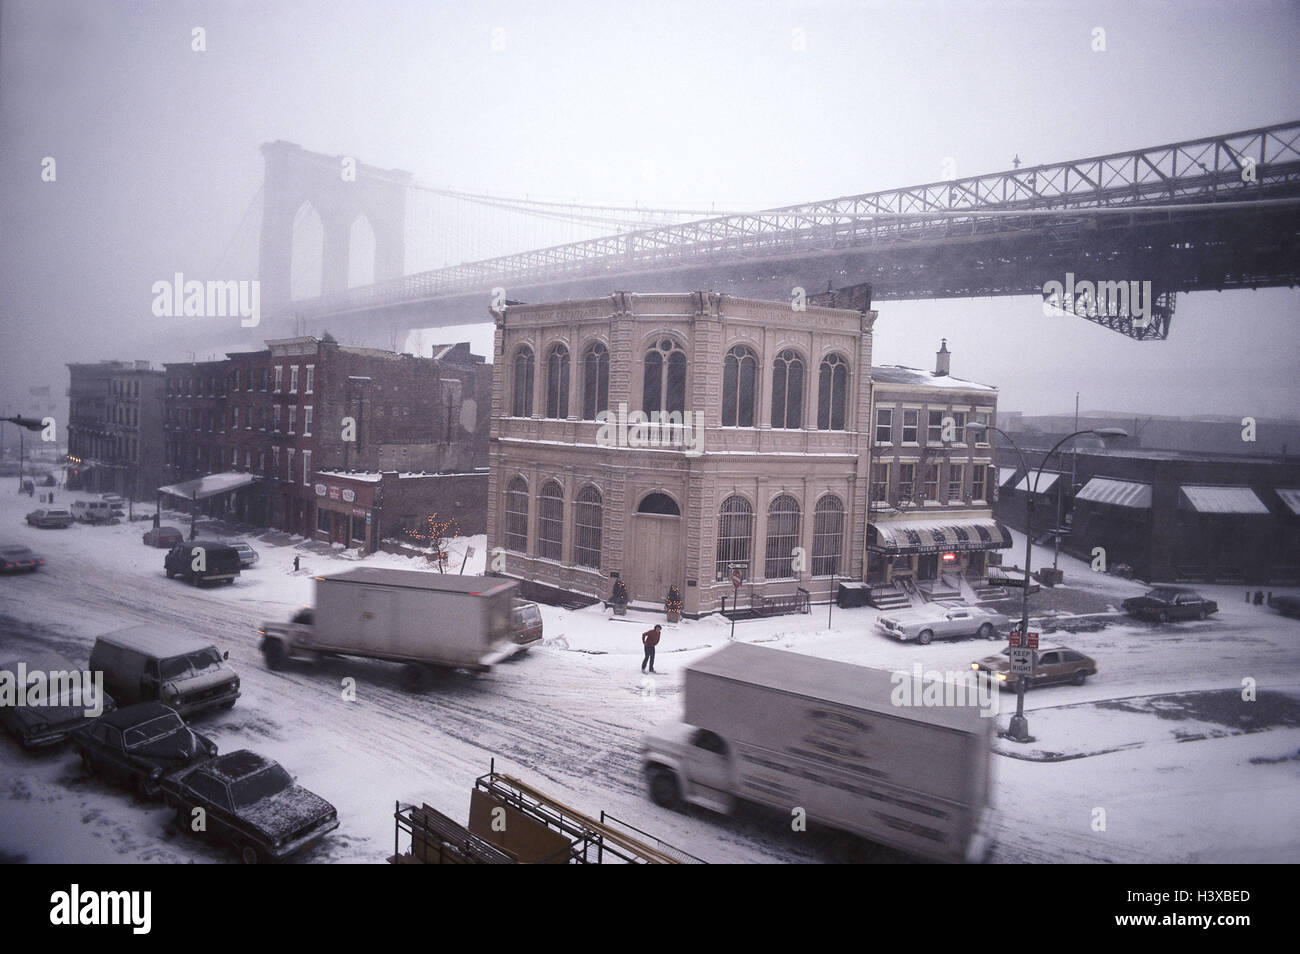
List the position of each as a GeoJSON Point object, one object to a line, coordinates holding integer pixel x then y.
{"type": "Point", "coordinates": [737, 578]}
{"type": "Point", "coordinates": [1033, 641]}
{"type": "Point", "coordinates": [470, 552]}
{"type": "Point", "coordinates": [1022, 661]}
{"type": "Point", "coordinates": [1014, 638]}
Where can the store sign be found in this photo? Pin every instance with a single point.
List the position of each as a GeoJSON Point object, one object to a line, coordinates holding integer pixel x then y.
{"type": "Point", "coordinates": [334, 493]}
{"type": "Point", "coordinates": [360, 512]}
{"type": "Point", "coordinates": [949, 558]}
{"type": "Point", "coordinates": [349, 495]}
{"type": "Point", "coordinates": [320, 490]}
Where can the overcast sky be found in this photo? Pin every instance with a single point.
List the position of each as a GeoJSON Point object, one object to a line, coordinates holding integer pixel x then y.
{"type": "Point", "coordinates": [666, 104]}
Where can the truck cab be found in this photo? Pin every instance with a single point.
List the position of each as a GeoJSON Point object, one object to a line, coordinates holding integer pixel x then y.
{"type": "Point", "coordinates": [684, 762]}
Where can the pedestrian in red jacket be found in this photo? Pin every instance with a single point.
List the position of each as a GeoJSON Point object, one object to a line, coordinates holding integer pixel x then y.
{"type": "Point", "coordinates": [650, 639]}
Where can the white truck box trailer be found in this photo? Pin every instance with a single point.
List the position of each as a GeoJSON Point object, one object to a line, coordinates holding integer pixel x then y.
{"type": "Point", "coordinates": [426, 620]}
{"type": "Point", "coordinates": [797, 732]}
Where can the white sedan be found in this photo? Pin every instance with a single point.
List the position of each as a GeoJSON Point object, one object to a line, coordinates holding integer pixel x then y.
{"type": "Point", "coordinates": [943, 620]}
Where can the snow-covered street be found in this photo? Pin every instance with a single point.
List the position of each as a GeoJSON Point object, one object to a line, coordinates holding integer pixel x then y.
{"type": "Point", "coordinates": [1136, 765]}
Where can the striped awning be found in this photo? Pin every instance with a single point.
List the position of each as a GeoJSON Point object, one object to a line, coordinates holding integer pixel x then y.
{"type": "Point", "coordinates": [1292, 500]}
{"type": "Point", "coordinates": [937, 536]}
{"type": "Point", "coordinates": [1203, 499]}
{"type": "Point", "coordinates": [1117, 493]}
{"type": "Point", "coordinates": [1044, 482]}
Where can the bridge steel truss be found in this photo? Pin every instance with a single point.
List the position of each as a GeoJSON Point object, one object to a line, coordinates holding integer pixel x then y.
{"type": "Point", "coordinates": [1205, 214]}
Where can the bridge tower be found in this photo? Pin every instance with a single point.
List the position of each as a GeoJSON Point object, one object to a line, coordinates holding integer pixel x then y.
{"type": "Point", "coordinates": [340, 189]}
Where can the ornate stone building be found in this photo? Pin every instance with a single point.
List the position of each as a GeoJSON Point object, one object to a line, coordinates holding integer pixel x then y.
{"type": "Point", "coordinates": [755, 456]}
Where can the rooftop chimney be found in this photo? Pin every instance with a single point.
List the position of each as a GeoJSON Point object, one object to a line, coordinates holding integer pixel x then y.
{"type": "Point", "coordinates": [941, 360]}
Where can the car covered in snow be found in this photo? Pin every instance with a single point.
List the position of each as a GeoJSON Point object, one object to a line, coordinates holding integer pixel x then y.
{"type": "Point", "coordinates": [942, 620]}
{"type": "Point", "coordinates": [1165, 603]}
{"type": "Point", "coordinates": [137, 745]}
{"type": "Point", "coordinates": [252, 803]}
{"type": "Point", "coordinates": [247, 555]}
{"type": "Point", "coordinates": [1051, 664]}
{"type": "Point", "coordinates": [163, 537]}
{"type": "Point", "coordinates": [16, 559]}
{"type": "Point", "coordinates": [50, 519]}
{"type": "Point", "coordinates": [41, 702]}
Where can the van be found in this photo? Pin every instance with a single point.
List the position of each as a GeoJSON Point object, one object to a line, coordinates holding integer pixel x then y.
{"type": "Point", "coordinates": [154, 664]}
{"type": "Point", "coordinates": [202, 561]}
{"type": "Point", "coordinates": [92, 511]}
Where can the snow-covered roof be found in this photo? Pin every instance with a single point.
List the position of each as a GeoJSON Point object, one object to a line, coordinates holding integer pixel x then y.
{"type": "Point", "coordinates": [209, 486]}
{"type": "Point", "coordinates": [917, 378]}
{"type": "Point", "coordinates": [1043, 482]}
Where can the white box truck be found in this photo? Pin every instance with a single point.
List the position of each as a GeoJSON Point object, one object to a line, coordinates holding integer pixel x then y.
{"type": "Point", "coordinates": [427, 620]}
{"type": "Point", "coordinates": [796, 732]}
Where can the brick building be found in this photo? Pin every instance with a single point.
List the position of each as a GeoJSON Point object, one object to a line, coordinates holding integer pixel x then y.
{"type": "Point", "coordinates": [932, 479]}
{"type": "Point", "coordinates": [115, 427]}
{"type": "Point", "coordinates": [763, 468]}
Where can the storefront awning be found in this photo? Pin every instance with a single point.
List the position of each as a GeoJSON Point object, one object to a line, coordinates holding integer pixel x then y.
{"type": "Point", "coordinates": [209, 486]}
{"type": "Point", "coordinates": [1005, 474]}
{"type": "Point", "coordinates": [1240, 500]}
{"type": "Point", "coordinates": [1117, 493]}
{"type": "Point", "coordinates": [937, 536]}
{"type": "Point", "coordinates": [1044, 482]}
{"type": "Point", "coordinates": [1292, 500]}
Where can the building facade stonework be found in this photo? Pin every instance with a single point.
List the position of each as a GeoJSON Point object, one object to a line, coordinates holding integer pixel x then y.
{"type": "Point", "coordinates": [758, 462]}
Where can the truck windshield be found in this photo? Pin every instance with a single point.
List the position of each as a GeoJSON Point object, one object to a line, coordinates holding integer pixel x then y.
{"type": "Point", "coordinates": [251, 790]}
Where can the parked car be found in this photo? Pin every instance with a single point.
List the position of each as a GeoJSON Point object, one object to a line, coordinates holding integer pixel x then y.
{"type": "Point", "coordinates": [16, 559]}
{"type": "Point", "coordinates": [93, 511]}
{"type": "Point", "coordinates": [943, 620]}
{"type": "Point", "coordinates": [138, 745]}
{"type": "Point", "coordinates": [216, 561]}
{"type": "Point", "coordinates": [149, 663]}
{"type": "Point", "coordinates": [250, 802]}
{"type": "Point", "coordinates": [1051, 664]}
{"type": "Point", "coordinates": [47, 519]}
{"type": "Point", "coordinates": [1286, 605]}
{"type": "Point", "coordinates": [526, 620]}
{"type": "Point", "coordinates": [163, 537]}
{"type": "Point", "coordinates": [1169, 602]}
{"type": "Point", "coordinates": [65, 706]}
{"type": "Point", "coordinates": [247, 555]}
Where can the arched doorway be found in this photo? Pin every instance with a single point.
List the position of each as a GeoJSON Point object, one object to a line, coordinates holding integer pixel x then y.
{"type": "Point", "coordinates": [655, 556]}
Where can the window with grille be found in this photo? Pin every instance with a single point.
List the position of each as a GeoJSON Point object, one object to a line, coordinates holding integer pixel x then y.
{"type": "Point", "coordinates": [828, 536]}
{"type": "Point", "coordinates": [735, 535]}
{"type": "Point", "coordinates": [516, 522]}
{"type": "Point", "coordinates": [550, 521]}
{"type": "Point", "coordinates": [588, 519]}
{"type": "Point", "coordinates": [782, 537]}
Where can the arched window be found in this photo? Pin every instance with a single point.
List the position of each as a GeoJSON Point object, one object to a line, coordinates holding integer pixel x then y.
{"type": "Point", "coordinates": [660, 504]}
{"type": "Point", "coordinates": [739, 372]}
{"type": "Point", "coordinates": [517, 515]}
{"type": "Point", "coordinates": [828, 536]}
{"type": "Point", "coordinates": [782, 537]}
{"type": "Point", "coordinates": [557, 381]}
{"type": "Point", "coordinates": [787, 390]}
{"type": "Point", "coordinates": [663, 387]}
{"type": "Point", "coordinates": [832, 393]}
{"type": "Point", "coordinates": [522, 384]}
{"type": "Point", "coordinates": [595, 381]}
{"type": "Point", "coordinates": [735, 536]}
{"type": "Point", "coordinates": [550, 521]}
{"type": "Point", "coordinates": [588, 520]}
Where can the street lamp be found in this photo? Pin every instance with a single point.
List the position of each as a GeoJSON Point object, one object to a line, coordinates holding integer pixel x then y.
{"type": "Point", "coordinates": [24, 424]}
{"type": "Point", "coordinates": [1019, 728]}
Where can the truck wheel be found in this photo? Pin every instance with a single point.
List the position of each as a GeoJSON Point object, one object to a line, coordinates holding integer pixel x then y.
{"type": "Point", "coordinates": [274, 654]}
{"type": "Point", "coordinates": [925, 637]}
{"type": "Point", "coordinates": [664, 790]}
{"type": "Point", "coordinates": [418, 677]}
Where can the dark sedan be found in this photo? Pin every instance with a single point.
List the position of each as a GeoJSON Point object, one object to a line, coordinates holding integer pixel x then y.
{"type": "Point", "coordinates": [15, 559]}
{"type": "Point", "coordinates": [138, 745]}
{"type": "Point", "coordinates": [250, 802]}
{"type": "Point", "coordinates": [48, 699]}
{"type": "Point", "coordinates": [1166, 603]}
